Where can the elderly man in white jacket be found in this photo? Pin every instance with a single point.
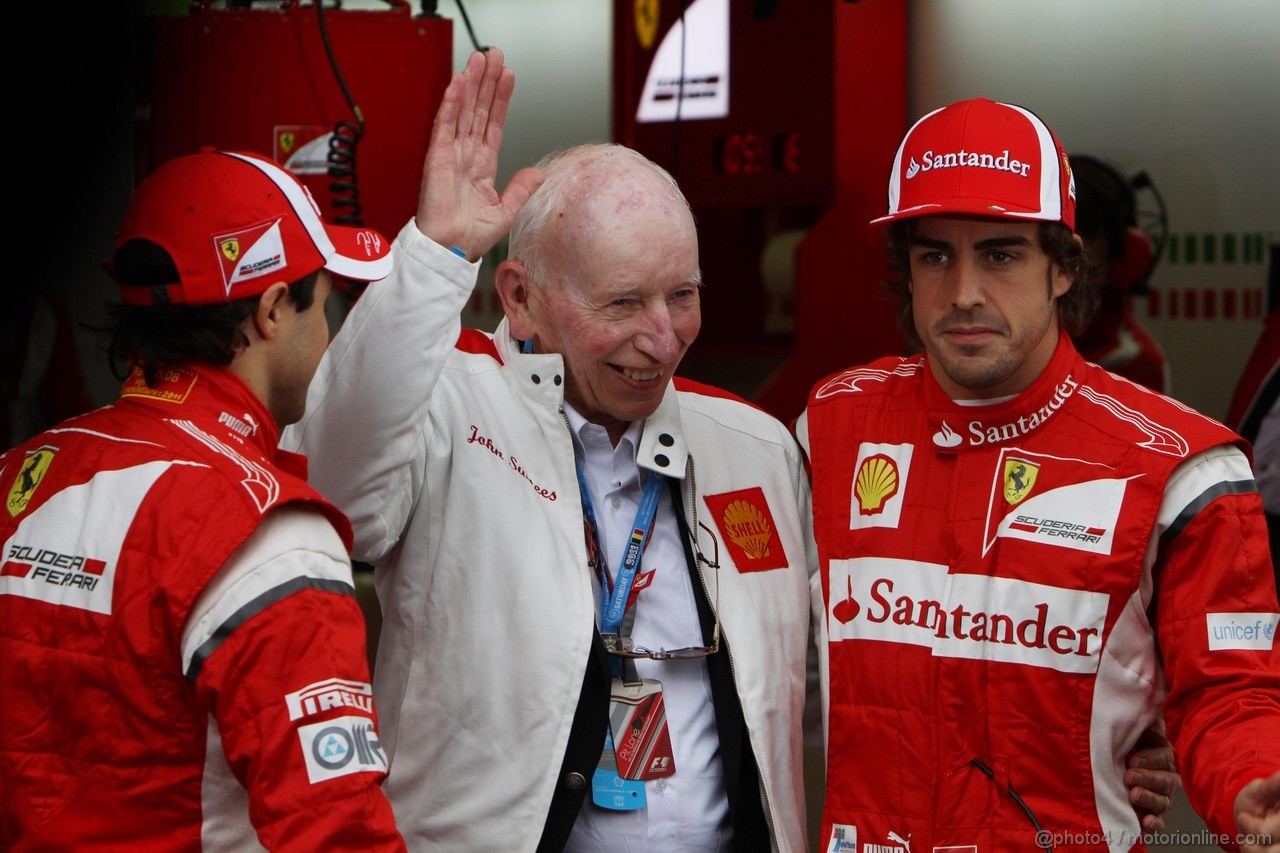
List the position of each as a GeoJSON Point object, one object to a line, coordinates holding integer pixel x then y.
{"type": "Point", "coordinates": [595, 577]}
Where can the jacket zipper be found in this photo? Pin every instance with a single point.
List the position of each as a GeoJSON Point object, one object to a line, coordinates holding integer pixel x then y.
{"type": "Point", "coordinates": [733, 671]}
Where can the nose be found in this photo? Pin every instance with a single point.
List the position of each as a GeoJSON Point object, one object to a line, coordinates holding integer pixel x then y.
{"type": "Point", "coordinates": [965, 284]}
{"type": "Point", "coordinates": [658, 339]}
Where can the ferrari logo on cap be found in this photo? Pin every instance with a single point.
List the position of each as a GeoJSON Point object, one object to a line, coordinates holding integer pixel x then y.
{"type": "Point", "coordinates": [230, 249]}
{"type": "Point", "coordinates": [1019, 479]}
{"type": "Point", "coordinates": [747, 525]}
{"type": "Point", "coordinates": [30, 474]}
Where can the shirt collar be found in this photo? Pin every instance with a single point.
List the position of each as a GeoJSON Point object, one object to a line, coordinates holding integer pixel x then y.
{"type": "Point", "coordinates": [583, 430]}
{"type": "Point", "coordinates": [660, 446]}
{"type": "Point", "coordinates": [957, 428]}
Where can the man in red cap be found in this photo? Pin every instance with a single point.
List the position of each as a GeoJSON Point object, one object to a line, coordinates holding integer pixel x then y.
{"type": "Point", "coordinates": [183, 655]}
{"type": "Point", "coordinates": [1025, 559]}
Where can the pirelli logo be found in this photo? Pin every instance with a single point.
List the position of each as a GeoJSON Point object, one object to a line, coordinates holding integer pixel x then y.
{"type": "Point", "coordinates": [329, 694]}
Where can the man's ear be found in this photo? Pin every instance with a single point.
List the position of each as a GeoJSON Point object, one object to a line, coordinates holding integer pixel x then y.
{"type": "Point", "coordinates": [1062, 279]}
{"type": "Point", "coordinates": [268, 319]}
{"type": "Point", "coordinates": [512, 284]}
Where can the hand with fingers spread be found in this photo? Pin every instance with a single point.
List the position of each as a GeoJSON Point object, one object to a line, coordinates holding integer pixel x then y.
{"type": "Point", "coordinates": [1152, 778]}
{"type": "Point", "coordinates": [459, 205]}
{"type": "Point", "coordinates": [1258, 815]}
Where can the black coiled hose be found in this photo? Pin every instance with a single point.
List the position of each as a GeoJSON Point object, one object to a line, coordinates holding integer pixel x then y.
{"type": "Point", "coordinates": [342, 170]}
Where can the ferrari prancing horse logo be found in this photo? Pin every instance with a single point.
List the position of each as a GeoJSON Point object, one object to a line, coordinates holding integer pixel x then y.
{"type": "Point", "coordinates": [1019, 478]}
{"type": "Point", "coordinates": [646, 16]}
{"type": "Point", "coordinates": [29, 477]}
{"type": "Point", "coordinates": [231, 249]}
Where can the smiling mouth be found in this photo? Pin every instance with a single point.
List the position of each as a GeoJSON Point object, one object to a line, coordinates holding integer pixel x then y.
{"type": "Point", "coordinates": [637, 374]}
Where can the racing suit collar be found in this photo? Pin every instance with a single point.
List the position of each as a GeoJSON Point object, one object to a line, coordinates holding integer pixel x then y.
{"type": "Point", "coordinates": [957, 428]}
{"type": "Point", "coordinates": [218, 401]}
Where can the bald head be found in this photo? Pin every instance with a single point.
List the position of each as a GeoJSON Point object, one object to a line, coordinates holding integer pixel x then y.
{"type": "Point", "coordinates": [597, 198]}
{"type": "Point", "coordinates": [604, 272]}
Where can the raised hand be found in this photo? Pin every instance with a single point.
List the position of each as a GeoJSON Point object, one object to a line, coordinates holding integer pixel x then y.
{"type": "Point", "coordinates": [459, 205]}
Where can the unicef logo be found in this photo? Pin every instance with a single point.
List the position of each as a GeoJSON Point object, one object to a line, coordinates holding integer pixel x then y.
{"type": "Point", "coordinates": [1269, 630]}
{"type": "Point", "coordinates": [333, 748]}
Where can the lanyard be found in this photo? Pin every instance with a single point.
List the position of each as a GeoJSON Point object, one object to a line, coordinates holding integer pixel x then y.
{"type": "Point", "coordinates": [613, 605]}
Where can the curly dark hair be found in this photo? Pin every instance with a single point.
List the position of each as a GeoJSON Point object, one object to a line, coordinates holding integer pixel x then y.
{"type": "Point", "coordinates": [153, 337]}
{"type": "Point", "coordinates": [1075, 307]}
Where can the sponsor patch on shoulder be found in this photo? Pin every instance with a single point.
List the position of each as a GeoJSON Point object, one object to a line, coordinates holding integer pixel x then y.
{"type": "Point", "coordinates": [748, 528]}
{"type": "Point", "coordinates": [341, 747]}
{"type": "Point", "coordinates": [52, 556]}
{"type": "Point", "coordinates": [1248, 631]}
{"type": "Point", "coordinates": [844, 839]}
{"type": "Point", "coordinates": [30, 473]}
{"type": "Point", "coordinates": [328, 694]}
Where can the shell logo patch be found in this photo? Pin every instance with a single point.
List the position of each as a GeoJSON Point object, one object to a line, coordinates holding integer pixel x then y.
{"type": "Point", "coordinates": [1019, 479]}
{"type": "Point", "coordinates": [877, 481]}
{"type": "Point", "coordinates": [748, 529]}
{"type": "Point", "coordinates": [32, 471]}
{"type": "Point", "coordinates": [878, 476]}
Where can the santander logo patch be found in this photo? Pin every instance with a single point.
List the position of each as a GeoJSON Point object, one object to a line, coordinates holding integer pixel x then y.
{"type": "Point", "coordinates": [946, 437]}
{"type": "Point", "coordinates": [965, 616]}
{"type": "Point", "coordinates": [1001, 162]}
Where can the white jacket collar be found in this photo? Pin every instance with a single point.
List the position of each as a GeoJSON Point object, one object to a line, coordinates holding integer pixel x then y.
{"type": "Point", "coordinates": [541, 376]}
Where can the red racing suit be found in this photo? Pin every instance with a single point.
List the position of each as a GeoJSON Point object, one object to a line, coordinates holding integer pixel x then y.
{"type": "Point", "coordinates": [1013, 591]}
{"type": "Point", "coordinates": [129, 722]}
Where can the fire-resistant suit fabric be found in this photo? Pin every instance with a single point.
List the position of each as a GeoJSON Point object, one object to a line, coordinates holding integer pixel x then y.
{"type": "Point", "coordinates": [450, 452]}
{"type": "Point", "coordinates": [1013, 591]}
{"type": "Point", "coordinates": [182, 650]}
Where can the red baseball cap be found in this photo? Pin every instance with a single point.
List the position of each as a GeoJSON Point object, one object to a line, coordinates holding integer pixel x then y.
{"type": "Point", "coordinates": [982, 158]}
{"type": "Point", "coordinates": [235, 223]}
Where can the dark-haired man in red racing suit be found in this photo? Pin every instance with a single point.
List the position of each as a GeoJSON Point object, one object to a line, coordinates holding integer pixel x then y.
{"type": "Point", "coordinates": [1024, 558]}
{"type": "Point", "coordinates": [182, 660]}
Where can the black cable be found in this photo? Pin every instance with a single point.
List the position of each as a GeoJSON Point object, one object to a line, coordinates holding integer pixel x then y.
{"type": "Point", "coordinates": [1043, 840]}
{"type": "Point", "coordinates": [342, 142]}
{"type": "Point", "coordinates": [466, 19]}
{"type": "Point", "coordinates": [675, 126]}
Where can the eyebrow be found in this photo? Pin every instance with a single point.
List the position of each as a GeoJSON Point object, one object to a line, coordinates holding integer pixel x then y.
{"type": "Point", "coordinates": [999, 242]}
{"type": "Point", "coordinates": [981, 245]}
